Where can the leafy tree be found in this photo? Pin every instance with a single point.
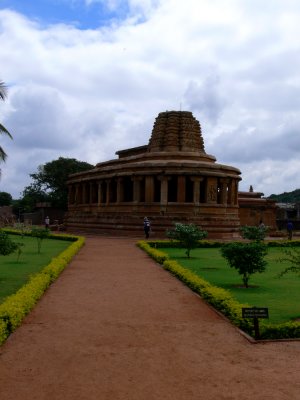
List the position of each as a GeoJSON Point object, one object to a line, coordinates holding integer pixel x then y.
{"type": "Point", "coordinates": [40, 234]}
{"type": "Point", "coordinates": [256, 233]}
{"type": "Point", "coordinates": [188, 235]}
{"type": "Point", "coordinates": [7, 246]}
{"type": "Point", "coordinates": [5, 199]}
{"type": "Point", "coordinates": [30, 196]}
{"type": "Point", "coordinates": [49, 182]}
{"type": "Point", "coordinates": [3, 130]}
{"type": "Point", "coordinates": [246, 258]}
{"type": "Point", "coordinates": [291, 255]}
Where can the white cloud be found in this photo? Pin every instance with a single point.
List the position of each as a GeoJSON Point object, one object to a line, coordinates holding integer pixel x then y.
{"type": "Point", "coordinates": [88, 93]}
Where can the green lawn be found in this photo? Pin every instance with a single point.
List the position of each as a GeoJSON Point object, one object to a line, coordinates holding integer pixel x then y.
{"type": "Point", "coordinates": [13, 273]}
{"type": "Point", "coordinates": [280, 295]}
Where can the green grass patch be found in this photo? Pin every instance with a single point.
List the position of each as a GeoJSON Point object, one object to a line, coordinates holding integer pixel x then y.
{"type": "Point", "coordinates": [280, 295]}
{"type": "Point", "coordinates": [37, 277]}
{"type": "Point", "coordinates": [14, 274]}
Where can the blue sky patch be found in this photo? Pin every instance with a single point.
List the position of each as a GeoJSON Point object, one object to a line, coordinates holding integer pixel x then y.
{"type": "Point", "coordinates": [76, 13]}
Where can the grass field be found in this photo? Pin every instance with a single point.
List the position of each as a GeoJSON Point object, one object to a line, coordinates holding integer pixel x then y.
{"type": "Point", "coordinates": [13, 273]}
{"type": "Point", "coordinates": [280, 295]}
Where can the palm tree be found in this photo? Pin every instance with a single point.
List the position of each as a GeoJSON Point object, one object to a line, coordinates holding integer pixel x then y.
{"type": "Point", "coordinates": [3, 130]}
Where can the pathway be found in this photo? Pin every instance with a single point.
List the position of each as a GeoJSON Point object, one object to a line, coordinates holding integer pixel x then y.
{"type": "Point", "coordinates": [116, 326]}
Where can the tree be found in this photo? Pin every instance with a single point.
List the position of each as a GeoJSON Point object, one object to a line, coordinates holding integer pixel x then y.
{"type": "Point", "coordinates": [7, 246]}
{"type": "Point", "coordinates": [3, 130]}
{"type": "Point", "coordinates": [49, 181]}
{"type": "Point", "coordinates": [40, 234]}
{"type": "Point", "coordinates": [246, 258]}
{"type": "Point", "coordinates": [188, 235]}
{"type": "Point", "coordinates": [5, 199]}
{"type": "Point", "coordinates": [291, 255]}
{"type": "Point", "coordinates": [256, 233]}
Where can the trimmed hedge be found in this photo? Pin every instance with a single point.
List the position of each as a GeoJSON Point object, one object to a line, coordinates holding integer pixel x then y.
{"type": "Point", "coordinates": [160, 244]}
{"type": "Point", "coordinates": [68, 238]}
{"type": "Point", "coordinates": [17, 306]}
{"type": "Point", "coordinates": [220, 298]}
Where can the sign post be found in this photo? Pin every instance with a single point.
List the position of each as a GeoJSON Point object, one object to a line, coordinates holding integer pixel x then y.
{"type": "Point", "coordinates": [255, 313]}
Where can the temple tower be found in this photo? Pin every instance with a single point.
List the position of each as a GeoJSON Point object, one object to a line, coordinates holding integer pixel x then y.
{"type": "Point", "coordinates": [172, 179]}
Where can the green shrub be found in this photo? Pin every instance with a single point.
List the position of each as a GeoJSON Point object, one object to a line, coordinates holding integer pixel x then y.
{"type": "Point", "coordinates": [286, 330]}
{"type": "Point", "coordinates": [7, 246]}
{"type": "Point", "coordinates": [256, 233]}
{"type": "Point", "coordinates": [188, 235]}
{"type": "Point", "coordinates": [157, 255]}
{"type": "Point", "coordinates": [246, 258]}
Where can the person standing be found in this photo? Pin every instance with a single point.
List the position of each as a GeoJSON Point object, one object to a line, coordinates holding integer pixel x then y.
{"type": "Point", "coordinates": [289, 228]}
{"type": "Point", "coordinates": [47, 222]}
{"type": "Point", "coordinates": [147, 227]}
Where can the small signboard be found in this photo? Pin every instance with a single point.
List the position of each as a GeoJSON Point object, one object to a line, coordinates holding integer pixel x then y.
{"type": "Point", "coordinates": [255, 312]}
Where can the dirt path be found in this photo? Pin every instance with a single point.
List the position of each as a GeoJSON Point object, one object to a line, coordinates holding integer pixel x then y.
{"type": "Point", "coordinates": [116, 326]}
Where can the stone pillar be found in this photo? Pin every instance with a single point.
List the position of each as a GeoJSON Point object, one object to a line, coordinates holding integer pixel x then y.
{"type": "Point", "coordinates": [232, 193]}
{"type": "Point", "coordinates": [120, 190]}
{"type": "Point", "coordinates": [235, 192]}
{"type": "Point", "coordinates": [181, 189]}
{"type": "Point", "coordinates": [137, 188]}
{"type": "Point", "coordinates": [196, 190]}
{"type": "Point", "coordinates": [99, 192]}
{"type": "Point", "coordinates": [163, 190]}
{"type": "Point", "coordinates": [83, 197]}
{"type": "Point", "coordinates": [76, 200]}
{"type": "Point", "coordinates": [107, 191]}
{"type": "Point", "coordinates": [223, 186]}
{"type": "Point", "coordinates": [91, 192]}
{"type": "Point", "coordinates": [149, 189]}
{"type": "Point", "coordinates": [211, 192]}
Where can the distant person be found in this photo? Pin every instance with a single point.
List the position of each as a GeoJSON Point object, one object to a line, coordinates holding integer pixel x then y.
{"type": "Point", "coordinates": [261, 225]}
{"type": "Point", "coordinates": [289, 228]}
{"type": "Point", "coordinates": [47, 222]}
{"type": "Point", "coordinates": [147, 227]}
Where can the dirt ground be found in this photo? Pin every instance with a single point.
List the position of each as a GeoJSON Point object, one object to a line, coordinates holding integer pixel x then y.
{"type": "Point", "coordinates": [116, 326]}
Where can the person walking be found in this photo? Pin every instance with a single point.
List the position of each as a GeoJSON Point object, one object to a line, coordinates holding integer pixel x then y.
{"type": "Point", "coordinates": [147, 227]}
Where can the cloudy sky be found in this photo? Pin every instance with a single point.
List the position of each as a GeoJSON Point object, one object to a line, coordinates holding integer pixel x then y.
{"type": "Point", "coordinates": [88, 77]}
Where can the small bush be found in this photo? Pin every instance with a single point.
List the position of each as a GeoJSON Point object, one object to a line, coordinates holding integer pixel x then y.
{"type": "Point", "coordinates": [256, 233]}
{"type": "Point", "coordinates": [188, 235]}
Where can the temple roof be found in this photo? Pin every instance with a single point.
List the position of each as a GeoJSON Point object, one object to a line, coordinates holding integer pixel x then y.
{"type": "Point", "coordinates": [176, 131]}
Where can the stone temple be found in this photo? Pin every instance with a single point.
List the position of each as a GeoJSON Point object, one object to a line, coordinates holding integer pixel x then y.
{"type": "Point", "coordinates": [172, 179]}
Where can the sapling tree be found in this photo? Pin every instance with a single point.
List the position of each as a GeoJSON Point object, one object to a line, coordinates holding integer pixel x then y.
{"type": "Point", "coordinates": [40, 234]}
{"type": "Point", "coordinates": [8, 246]}
{"type": "Point", "coordinates": [188, 236]}
{"type": "Point", "coordinates": [246, 258]}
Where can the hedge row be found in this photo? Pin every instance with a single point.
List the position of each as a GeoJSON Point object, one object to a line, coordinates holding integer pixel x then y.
{"type": "Point", "coordinates": [68, 238]}
{"type": "Point", "coordinates": [221, 299]}
{"type": "Point", "coordinates": [160, 244]}
{"type": "Point", "coordinates": [18, 305]}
